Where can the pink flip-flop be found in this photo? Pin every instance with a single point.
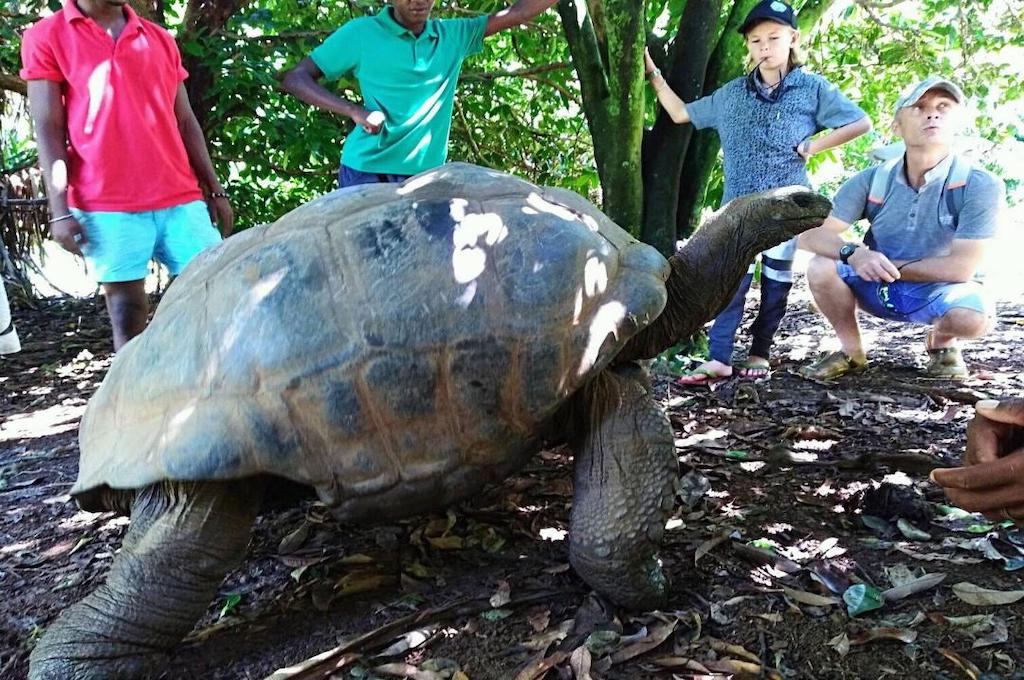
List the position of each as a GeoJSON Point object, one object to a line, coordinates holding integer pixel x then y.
{"type": "Point", "coordinates": [699, 376]}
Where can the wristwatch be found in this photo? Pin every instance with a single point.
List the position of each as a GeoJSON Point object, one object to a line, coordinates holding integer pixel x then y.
{"type": "Point", "coordinates": [846, 251]}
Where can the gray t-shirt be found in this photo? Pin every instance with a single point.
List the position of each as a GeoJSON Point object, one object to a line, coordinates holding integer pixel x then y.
{"type": "Point", "coordinates": [760, 136]}
{"type": "Point", "coordinates": [914, 223]}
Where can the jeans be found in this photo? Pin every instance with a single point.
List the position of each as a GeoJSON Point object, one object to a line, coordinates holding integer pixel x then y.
{"type": "Point", "coordinates": [769, 315]}
{"type": "Point", "coordinates": [350, 177]}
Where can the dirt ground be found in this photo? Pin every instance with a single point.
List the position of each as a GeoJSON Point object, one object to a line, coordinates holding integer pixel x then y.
{"type": "Point", "coordinates": [791, 493]}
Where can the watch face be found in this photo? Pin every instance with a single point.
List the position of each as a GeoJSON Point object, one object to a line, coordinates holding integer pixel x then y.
{"type": "Point", "coordinates": [846, 251]}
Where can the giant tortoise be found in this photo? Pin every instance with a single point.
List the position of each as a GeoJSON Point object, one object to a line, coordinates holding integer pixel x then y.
{"type": "Point", "coordinates": [395, 348]}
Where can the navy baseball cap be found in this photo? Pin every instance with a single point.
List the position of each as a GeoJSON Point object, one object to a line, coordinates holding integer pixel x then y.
{"type": "Point", "coordinates": [769, 10]}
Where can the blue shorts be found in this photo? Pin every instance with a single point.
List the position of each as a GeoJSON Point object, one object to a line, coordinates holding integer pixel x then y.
{"type": "Point", "coordinates": [914, 301]}
{"type": "Point", "coordinates": [350, 177]}
{"type": "Point", "coordinates": [121, 244]}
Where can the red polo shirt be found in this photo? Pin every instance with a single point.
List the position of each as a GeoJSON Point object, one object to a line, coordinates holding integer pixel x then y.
{"type": "Point", "coordinates": [125, 152]}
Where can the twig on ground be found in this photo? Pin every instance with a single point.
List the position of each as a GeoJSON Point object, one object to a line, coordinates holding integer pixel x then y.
{"type": "Point", "coordinates": [324, 664]}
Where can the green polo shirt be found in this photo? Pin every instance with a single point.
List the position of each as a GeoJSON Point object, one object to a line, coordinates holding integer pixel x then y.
{"type": "Point", "coordinates": [410, 79]}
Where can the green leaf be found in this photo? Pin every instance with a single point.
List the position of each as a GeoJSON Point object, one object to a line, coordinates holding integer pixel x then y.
{"type": "Point", "coordinates": [912, 532]}
{"type": "Point", "coordinates": [230, 603]}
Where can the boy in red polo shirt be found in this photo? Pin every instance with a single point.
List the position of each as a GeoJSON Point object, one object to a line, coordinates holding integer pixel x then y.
{"type": "Point", "coordinates": [123, 155]}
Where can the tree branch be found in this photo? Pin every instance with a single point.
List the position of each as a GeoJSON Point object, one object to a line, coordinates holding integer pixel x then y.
{"type": "Point", "coordinates": [666, 143]}
{"type": "Point", "coordinates": [519, 73]}
{"type": "Point", "coordinates": [12, 83]}
{"type": "Point", "coordinates": [280, 169]}
{"type": "Point", "coordinates": [812, 12]}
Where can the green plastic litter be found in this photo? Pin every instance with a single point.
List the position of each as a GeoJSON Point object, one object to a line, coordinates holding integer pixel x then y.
{"type": "Point", "coordinates": [496, 614]}
{"type": "Point", "coordinates": [736, 454]}
{"type": "Point", "coordinates": [860, 598]}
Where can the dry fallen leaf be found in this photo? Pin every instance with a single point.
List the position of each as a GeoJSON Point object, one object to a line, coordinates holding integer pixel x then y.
{"type": "Point", "coordinates": [963, 664]}
{"type": "Point", "coordinates": [580, 661]}
{"type": "Point", "coordinates": [539, 667]}
{"type": "Point", "coordinates": [840, 643]}
{"type": "Point", "coordinates": [446, 542]}
{"type": "Point", "coordinates": [874, 634]}
{"type": "Point", "coordinates": [925, 582]}
{"type": "Point", "coordinates": [294, 540]}
{"type": "Point", "coordinates": [405, 670]}
{"type": "Point", "coordinates": [680, 663]}
{"type": "Point", "coordinates": [812, 599]}
{"type": "Point", "coordinates": [659, 633]}
{"type": "Point", "coordinates": [984, 597]}
{"type": "Point", "coordinates": [539, 620]}
{"type": "Point", "coordinates": [542, 641]}
{"type": "Point", "coordinates": [709, 545]}
{"type": "Point", "coordinates": [502, 596]}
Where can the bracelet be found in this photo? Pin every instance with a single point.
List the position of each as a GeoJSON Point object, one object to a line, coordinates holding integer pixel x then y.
{"type": "Point", "coordinates": [218, 194]}
{"type": "Point", "coordinates": [69, 216]}
{"type": "Point", "coordinates": [655, 73]}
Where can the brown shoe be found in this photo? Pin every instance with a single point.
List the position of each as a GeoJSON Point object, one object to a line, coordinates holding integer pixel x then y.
{"type": "Point", "coordinates": [832, 366]}
{"type": "Point", "coordinates": [946, 362]}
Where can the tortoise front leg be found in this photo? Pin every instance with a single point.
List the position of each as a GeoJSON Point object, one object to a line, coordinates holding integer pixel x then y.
{"type": "Point", "coordinates": [183, 539]}
{"type": "Point", "coordinates": [624, 472]}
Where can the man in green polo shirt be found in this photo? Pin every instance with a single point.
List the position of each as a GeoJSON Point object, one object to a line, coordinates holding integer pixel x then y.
{"type": "Point", "coordinates": [407, 65]}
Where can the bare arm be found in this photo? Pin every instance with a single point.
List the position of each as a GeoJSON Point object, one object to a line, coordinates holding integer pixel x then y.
{"type": "Point", "coordinates": [669, 100]}
{"type": "Point", "coordinates": [303, 82]}
{"type": "Point", "coordinates": [199, 158]}
{"type": "Point", "coordinates": [835, 138]}
{"type": "Point", "coordinates": [517, 14]}
{"type": "Point", "coordinates": [49, 118]}
{"type": "Point", "coordinates": [965, 256]}
{"type": "Point", "coordinates": [826, 241]}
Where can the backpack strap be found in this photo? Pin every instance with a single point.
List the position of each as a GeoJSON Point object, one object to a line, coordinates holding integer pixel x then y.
{"type": "Point", "coordinates": [955, 187]}
{"type": "Point", "coordinates": [881, 181]}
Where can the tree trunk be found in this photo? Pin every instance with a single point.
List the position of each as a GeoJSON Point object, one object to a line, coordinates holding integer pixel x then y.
{"type": "Point", "coordinates": [727, 62]}
{"type": "Point", "coordinates": [666, 144]}
{"type": "Point", "coordinates": [202, 18]}
{"type": "Point", "coordinates": [604, 39]}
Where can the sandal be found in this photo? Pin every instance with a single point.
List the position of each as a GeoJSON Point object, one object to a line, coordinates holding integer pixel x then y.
{"type": "Point", "coordinates": [699, 376]}
{"type": "Point", "coordinates": [754, 369]}
{"type": "Point", "coordinates": [946, 362]}
{"type": "Point", "coordinates": [831, 366]}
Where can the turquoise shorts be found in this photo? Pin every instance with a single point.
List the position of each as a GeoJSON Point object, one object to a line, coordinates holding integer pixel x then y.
{"type": "Point", "coordinates": [121, 244]}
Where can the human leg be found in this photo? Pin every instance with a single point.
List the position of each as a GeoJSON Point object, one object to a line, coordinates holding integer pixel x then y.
{"type": "Point", "coordinates": [128, 308]}
{"type": "Point", "coordinates": [720, 341]}
{"type": "Point", "coordinates": [120, 245]}
{"type": "Point", "coordinates": [836, 299]}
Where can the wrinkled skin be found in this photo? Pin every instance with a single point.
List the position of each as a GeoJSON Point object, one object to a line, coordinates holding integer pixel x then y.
{"type": "Point", "coordinates": [185, 536]}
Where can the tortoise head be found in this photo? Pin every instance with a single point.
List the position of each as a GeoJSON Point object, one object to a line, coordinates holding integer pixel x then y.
{"type": "Point", "coordinates": [707, 271]}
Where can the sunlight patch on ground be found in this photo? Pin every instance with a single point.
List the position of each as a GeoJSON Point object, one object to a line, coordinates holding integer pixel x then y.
{"type": "Point", "coordinates": [20, 546]}
{"type": "Point", "coordinates": [48, 421]}
{"type": "Point", "coordinates": [86, 520]}
{"type": "Point", "coordinates": [698, 437]}
{"type": "Point", "coordinates": [553, 534]}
